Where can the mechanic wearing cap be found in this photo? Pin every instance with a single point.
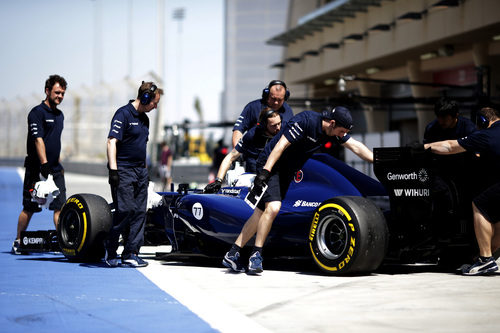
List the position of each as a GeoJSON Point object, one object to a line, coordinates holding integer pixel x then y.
{"type": "Point", "coordinates": [128, 175]}
{"type": "Point", "coordinates": [274, 96]}
{"type": "Point", "coordinates": [448, 125]}
{"type": "Point", "coordinates": [281, 158]}
{"type": "Point", "coordinates": [43, 145]}
{"type": "Point", "coordinates": [485, 206]}
{"type": "Point", "coordinates": [250, 145]}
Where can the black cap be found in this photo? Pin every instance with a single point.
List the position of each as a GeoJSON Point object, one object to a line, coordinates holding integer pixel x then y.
{"type": "Point", "coordinates": [340, 114]}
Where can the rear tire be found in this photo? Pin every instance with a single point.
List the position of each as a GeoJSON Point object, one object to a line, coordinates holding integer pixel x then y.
{"type": "Point", "coordinates": [84, 222]}
{"type": "Point", "coordinates": [348, 235]}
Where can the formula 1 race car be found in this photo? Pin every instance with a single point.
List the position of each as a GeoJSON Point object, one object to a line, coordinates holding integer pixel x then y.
{"type": "Point", "coordinates": [332, 213]}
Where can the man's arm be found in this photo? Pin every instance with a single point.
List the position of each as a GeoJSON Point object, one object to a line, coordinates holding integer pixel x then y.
{"type": "Point", "coordinates": [359, 149]}
{"type": "Point", "coordinates": [111, 151]}
{"type": "Point", "coordinates": [236, 137]}
{"type": "Point", "coordinates": [276, 153]}
{"type": "Point", "coordinates": [169, 161]}
{"type": "Point", "coordinates": [446, 147]}
{"type": "Point", "coordinates": [40, 150]}
{"type": "Point", "coordinates": [226, 163]}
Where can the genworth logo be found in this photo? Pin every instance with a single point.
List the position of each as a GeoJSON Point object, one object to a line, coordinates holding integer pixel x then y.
{"type": "Point", "coordinates": [421, 176]}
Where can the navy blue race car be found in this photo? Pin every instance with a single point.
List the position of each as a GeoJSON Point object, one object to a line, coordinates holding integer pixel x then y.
{"type": "Point", "coordinates": [332, 213]}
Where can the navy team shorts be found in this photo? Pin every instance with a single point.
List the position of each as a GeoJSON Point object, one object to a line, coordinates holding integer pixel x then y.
{"type": "Point", "coordinates": [488, 203]}
{"type": "Point", "coordinates": [278, 185]}
{"type": "Point", "coordinates": [31, 176]}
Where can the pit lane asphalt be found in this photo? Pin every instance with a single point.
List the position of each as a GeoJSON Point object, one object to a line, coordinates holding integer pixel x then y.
{"type": "Point", "coordinates": [296, 298]}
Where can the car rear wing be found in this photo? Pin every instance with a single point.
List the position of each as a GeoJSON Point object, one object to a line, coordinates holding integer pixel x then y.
{"type": "Point", "coordinates": [425, 190]}
{"type": "Point", "coordinates": [405, 172]}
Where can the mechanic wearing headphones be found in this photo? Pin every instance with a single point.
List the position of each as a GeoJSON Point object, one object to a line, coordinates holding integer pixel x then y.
{"type": "Point", "coordinates": [448, 125]}
{"type": "Point", "coordinates": [128, 174]}
{"type": "Point", "coordinates": [274, 96]}
{"type": "Point", "coordinates": [281, 158]}
{"type": "Point", "coordinates": [43, 145]}
{"type": "Point", "coordinates": [250, 145]}
{"type": "Point", "coordinates": [485, 206]}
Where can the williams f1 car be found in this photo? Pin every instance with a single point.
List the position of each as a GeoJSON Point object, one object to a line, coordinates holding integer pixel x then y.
{"type": "Point", "coordinates": [332, 213]}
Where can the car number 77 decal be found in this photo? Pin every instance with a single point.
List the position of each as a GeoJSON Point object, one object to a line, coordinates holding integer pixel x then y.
{"type": "Point", "coordinates": [197, 211]}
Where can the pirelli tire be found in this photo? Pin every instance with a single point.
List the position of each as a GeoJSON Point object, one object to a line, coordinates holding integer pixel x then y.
{"type": "Point", "coordinates": [84, 222]}
{"type": "Point", "coordinates": [348, 235]}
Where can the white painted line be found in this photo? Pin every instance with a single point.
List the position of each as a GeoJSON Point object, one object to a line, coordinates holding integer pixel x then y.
{"type": "Point", "coordinates": [217, 314]}
{"type": "Point", "coordinates": [20, 172]}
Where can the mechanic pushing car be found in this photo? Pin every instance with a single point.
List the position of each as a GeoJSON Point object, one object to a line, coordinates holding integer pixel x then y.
{"type": "Point", "coordinates": [43, 145]}
{"type": "Point", "coordinates": [250, 145]}
{"type": "Point", "coordinates": [274, 96]}
{"type": "Point", "coordinates": [485, 206]}
{"type": "Point", "coordinates": [281, 158]}
{"type": "Point", "coordinates": [449, 124]}
{"type": "Point", "coordinates": [128, 175]}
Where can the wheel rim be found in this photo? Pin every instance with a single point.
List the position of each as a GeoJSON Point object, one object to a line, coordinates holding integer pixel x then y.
{"type": "Point", "coordinates": [332, 237]}
{"type": "Point", "coordinates": [70, 225]}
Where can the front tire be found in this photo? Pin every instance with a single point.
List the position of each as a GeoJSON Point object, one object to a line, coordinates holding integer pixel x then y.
{"type": "Point", "coordinates": [348, 235]}
{"type": "Point", "coordinates": [84, 222]}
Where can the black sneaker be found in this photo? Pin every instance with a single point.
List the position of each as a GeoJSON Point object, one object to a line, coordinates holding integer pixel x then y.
{"type": "Point", "coordinates": [233, 262]}
{"type": "Point", "coordinates": [481, 267]}
{"type": "Point", "coordinates": [111, 260]}
{"type": "Point", "coordinates": [133, 260]}
{"type": "Point", "coordinates": [255, 263]}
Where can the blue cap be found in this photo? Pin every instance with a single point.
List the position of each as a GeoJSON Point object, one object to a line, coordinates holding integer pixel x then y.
{"type": "Point", "coordinates": [341, 115]}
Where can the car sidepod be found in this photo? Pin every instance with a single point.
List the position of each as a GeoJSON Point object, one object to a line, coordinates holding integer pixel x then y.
{"type": "Point", "coordinates": [206, 223]}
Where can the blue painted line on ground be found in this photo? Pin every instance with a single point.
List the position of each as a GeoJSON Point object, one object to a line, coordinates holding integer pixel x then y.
{"type": "Point", "coordinates": [47, 293]}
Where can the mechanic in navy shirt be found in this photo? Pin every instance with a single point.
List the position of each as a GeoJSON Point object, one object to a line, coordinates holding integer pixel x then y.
{"type": "Point", "coordinates": [281, 158]}
{"type": "Point", "coordinates": [128, 174]}
{"type": "Point", "coordinates": [250, 145]}
{"type": "Point", "coordinates": [448, 125]}
{"type": "Point", "coordinates": [486, 205]}
{"type": "Point", "coordinates": [274, 96]}
{"type": "Point", "coordinates": [43, 145]}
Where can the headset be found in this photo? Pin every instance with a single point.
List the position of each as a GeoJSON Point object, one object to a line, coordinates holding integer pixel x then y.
{"type": "Point", "coordinates": [148, 95]}
{"type": "Point", "coordinates": [264, 117]}
{"type": "Point", "coordinates": [265, 91]}
{"type": "Point", "coordinates": [481, 121]}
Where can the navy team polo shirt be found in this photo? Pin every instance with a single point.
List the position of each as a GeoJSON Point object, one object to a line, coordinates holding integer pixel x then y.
{"type": "Point", "coordinates": [45, 123]}
{"type": "Point", "coordinates": [251, 144]}
{"type": "Point", "coordinates": [304, 132]}
{"type": "Point", "coordinates": [487, 143]}
{"type": "Point", "coordinates": [434, 132]}
{"type": "Point", "coordinates": [131, 129]}
{"type": "Point", "coordinates": [249, 117]}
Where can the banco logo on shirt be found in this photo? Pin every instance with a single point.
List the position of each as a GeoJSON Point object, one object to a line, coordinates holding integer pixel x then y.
{"type": "Point", "coordinates": [133, 124]}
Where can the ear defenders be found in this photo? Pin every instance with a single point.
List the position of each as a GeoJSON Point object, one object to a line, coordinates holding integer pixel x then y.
{"type": "Point", "coordinates": [265, 91]}
{"type": "Point", "coordinates": [481, 121]}
{"type": "Point", "coordinates": [263, 118]}
{"type": "Point", "coordinates": [148, 95]}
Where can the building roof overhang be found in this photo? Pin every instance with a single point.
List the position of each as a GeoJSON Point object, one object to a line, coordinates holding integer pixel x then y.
{"type": "Point", "coordinates": [326, 16]}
